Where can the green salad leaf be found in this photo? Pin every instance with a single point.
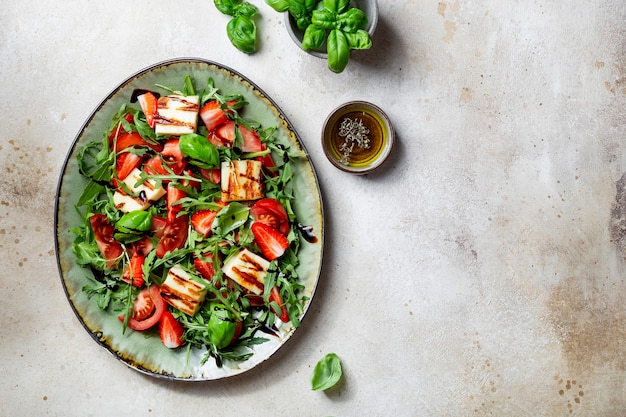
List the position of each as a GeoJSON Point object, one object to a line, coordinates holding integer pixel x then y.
{"type": "Point", "coordinates": [327, 372]}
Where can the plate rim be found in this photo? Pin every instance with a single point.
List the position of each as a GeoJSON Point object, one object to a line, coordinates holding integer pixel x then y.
{"type": "Point", "coordinates": [68, 157]}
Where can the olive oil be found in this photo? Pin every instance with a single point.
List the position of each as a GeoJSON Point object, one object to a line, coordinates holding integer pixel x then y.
{"type": "Point", "coordinates": [357, 137]}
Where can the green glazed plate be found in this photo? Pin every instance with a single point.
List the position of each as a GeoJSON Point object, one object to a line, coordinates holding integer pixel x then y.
{"type": "Point", "coordinates": [135, 349]}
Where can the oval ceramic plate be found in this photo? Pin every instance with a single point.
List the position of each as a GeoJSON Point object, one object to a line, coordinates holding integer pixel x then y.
{"type": "Point", "coordinates": [147, 354]}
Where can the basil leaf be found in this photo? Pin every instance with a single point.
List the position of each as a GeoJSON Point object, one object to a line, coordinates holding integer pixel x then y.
{"type": "Point", "coordinates": [324, 19]}
{"type": "Point", "coordinates": [241, 31]}
{"type": "Point", "coordinates": [338, 51]}
{"type": "Point", "coordinates": [227, 7]}
{"type": "Point", "coordinates": [352, 20]}
{"type": "Point", "coordinates": [132, 225]}
{"type": "Point", "coordinates": [230, 218]}
{"type": "Point", "coordinates": [221, 326]}
{"type": "Point", "coordinates": [199, 150]}
{"type": "Point", "coordinates": [278, 5]}
{"type": "Point", "coordinates": [327, 372]}
{"type": "Point", "coordinates": [336, 6]}
{"type": "Point", "coordinates": [359, 39]}
{"type": "Point", "coordinates": [246, 9]}
{"type": "Point", "coordinates": [314, 37]}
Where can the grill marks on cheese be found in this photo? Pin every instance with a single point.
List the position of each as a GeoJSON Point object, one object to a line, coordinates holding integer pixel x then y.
{"type": "Point", "coordinates": [242, 180]}
{"type": "Point", "coordinates": [182, 292]}
{"type": "Point", "coordinates": [143, 193]}
{"type": "Point", "coordinates": [247, 269]}
{"type": "Point", "coordinates": [176, 115]}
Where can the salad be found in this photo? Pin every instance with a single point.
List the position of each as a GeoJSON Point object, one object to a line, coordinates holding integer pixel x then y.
{"type": "Point", "coordinates": [188, 225]}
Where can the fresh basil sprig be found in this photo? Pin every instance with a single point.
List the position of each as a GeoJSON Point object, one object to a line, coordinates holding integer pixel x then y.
{"type": "Point", "coordinates": [332, 22]}
{"type": "Point", "coordinates": [241, 29]}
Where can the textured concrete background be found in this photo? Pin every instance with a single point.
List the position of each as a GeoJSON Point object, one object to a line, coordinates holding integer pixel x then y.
{"type": "Point", "coordinates": [480, 272]}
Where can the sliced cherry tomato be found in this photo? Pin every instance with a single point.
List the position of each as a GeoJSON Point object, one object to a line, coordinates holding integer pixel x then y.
{"type": "Point", "coordinates": [144, 306]}
{"type": "Point", "coordinates": [271, 212]}
{"type": "Point", "coordinates": [134, 271]}
{"type": "Point", "coordinates": [275, 296]}
{"type": "Point", "coordinates": [143, 246]}
{"type": "Point", "coordinates": [173, 196]}
{"type": "Point", "coordinates": [148, 103]}
{"type": "Point", "coordinates": [173, 156]}
{"type": "Point", "coordinates": [103, 233]}
{"type": "Point", "coordinates": [158, 225]}
{"type": "Point", "coordinates": [174, 236]}
{"type": "Point", "coordinates": [125, 163]}
{"type": "Point", "coordinates": [159, 307]}
{"type": "Point", "coordinates": [126, 140]}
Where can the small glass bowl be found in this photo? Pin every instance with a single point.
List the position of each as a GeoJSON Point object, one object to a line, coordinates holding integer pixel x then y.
{"type": "Point", "coordinates": [357, 137]}
{"type": "Point", "coordinates": [370, 7]}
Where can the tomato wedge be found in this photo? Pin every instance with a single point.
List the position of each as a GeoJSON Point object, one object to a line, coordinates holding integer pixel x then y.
{"type": "Point", "coordinates": [103, 233]}
{"type": "Point", "coordinates": [152, 319]}
{"type": "Point", "coordinates": [174, 236]}
{"type": "Point", "coordinates": [271, 212]}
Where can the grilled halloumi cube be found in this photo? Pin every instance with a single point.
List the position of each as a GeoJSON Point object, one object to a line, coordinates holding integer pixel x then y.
{"type": "Point", "coordinates": [247, 269]}
{"type": "Point", "coordinates": [181, 291]}
{"type": "Point", "coordinates": [242, 180]}
{"type": "Point", "coordinates": [177, 115]}
{"type": "Point", "coordinates": [143, 196]}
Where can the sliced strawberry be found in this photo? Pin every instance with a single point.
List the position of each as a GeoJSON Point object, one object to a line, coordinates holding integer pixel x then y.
{"type": "Point", "coordinates": [202, 220]}
{"type": "Point", "coordinates": [120, 128]}
{"type": "Point", "coordinates": [148, 103]}
{"type": "Point", "coordinates": [271, 212]}
{"type": "Point", "coordinates": [272, 243]}
{"type": "Point", "coordinates": [173, 156]}
{"type": "Point", "coordinates": [126, 140]}
{"type": "Point", "coordinates": [268, 164]}
{"type": "Point", "coordinates": [144, 305]}
{"type": "Point", "coordinates": [125, 163]}
{"type": "Point", "coordinates": [204, 266]}
{"type": "Point", "coordinates": [217, 141]}
{"type": "Point", "coordinates": [211, 175]}
{"type": "Point", "coordinates": [251, 140]}
{"type": "Point", "coordinates": [212, 114]}
{"type": "Point", "coordinates": [226, 133]}
{"type": "Point", "coordinates": [282, 313]}
{"type": "Point", "coordinates": [170, 331]}
{"type": "Point", "coordinates": [134, 271]}
{"type": "Point", "coordinates": [173, 196]}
